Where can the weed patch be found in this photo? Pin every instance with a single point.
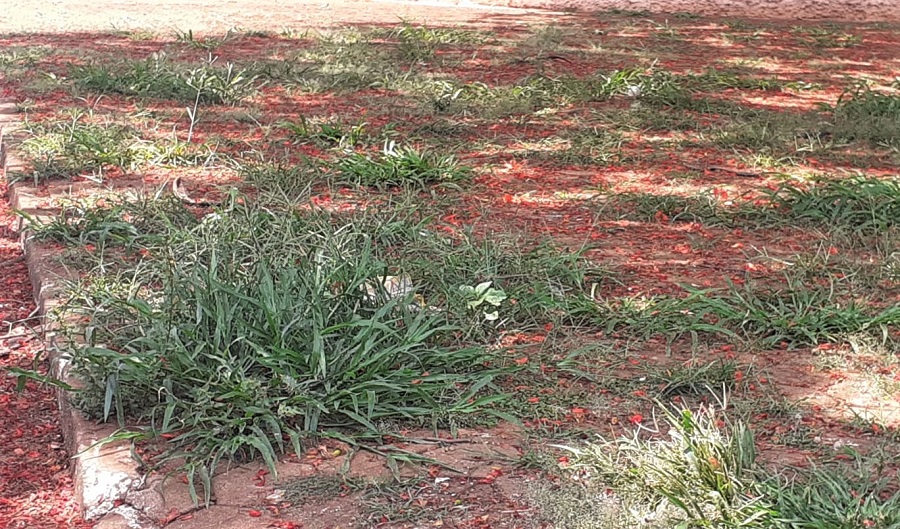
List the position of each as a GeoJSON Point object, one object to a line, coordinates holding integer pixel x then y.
{"type": "Point", "coordinates": [702, 472]}
{"type": "Point", "coordinates": [261, 327]}
{"type": "Point", "coordinates": [863, 114]}
{"type": "Point", "coordinates": [700, 475]}
{"type": "Point", "coordinates": [401, 166]}
{"type": "Point", "coordinates": [824, 37]}
{"type": "Point", "coordinates": [859, 205]}
{"type": "Point", "coordinates": [421, 43]}
{"type": "Point", "coordinates": [80, 146]}
{"type": "Point", "coordinates": [794, 314]}
{"type": "Point", "coordinates": [325, 133]}
{"type": "Point", "coordinates": [838, 495]}
{"type": "Point", "coordinates": [160, 78]}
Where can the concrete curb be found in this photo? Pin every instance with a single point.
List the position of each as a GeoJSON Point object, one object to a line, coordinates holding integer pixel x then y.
{"type": "Point", "coordinates": [108, 484]}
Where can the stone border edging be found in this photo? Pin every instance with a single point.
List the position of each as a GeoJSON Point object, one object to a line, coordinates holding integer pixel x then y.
{"type": "Point", "coordinates": [108, 483]}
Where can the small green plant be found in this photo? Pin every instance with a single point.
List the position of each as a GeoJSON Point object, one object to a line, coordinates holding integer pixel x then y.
{"type": "Point", "coordinates": [346, 61]}
{"type": "Point", "coordinates": [702, 472]}
{"type": "Point", "coordinates": [695, 379]}
{"type": "Point", "coordinates": [330, 133]}
{"type": "Point", "coordinates": [860, 204]}
{"type": "Point", "coordinates": [653, 85]}
{"type": "Point", "coordinates": [776, 134]}
{"type": "Point", "coordinates": [584, 146]}
{"type": "Point", "coordinates": [485, 296]}
{"type": "Point", "coordinates": [16, 59]}
{"type": "Point", "coordinates": [448, 96]}
{"type": "Point", "coordinates": [207, 43]}
{"type": "Point", "coordinates": [793, 314]}
{"type": "Point", "coordinates": [420, 43]}
{"type": "Point", "coordinates": [84, 146]}
{"type": "Point", "coordinates": [716, 80]}
{"type": "Point", "coordinates": [399, 166]}
{"type": "Point", "coordinates": [628, 13]}
{"type": "Point", "coordinates": [281, 182]}
{"type": "Point", "coordinates": [113, 221]}
{"type": "Point", "coordinates": [822, 37]}
{"type": "Point", "coordinates": [700, 475]}
{"type": "Point", "coordinates": [867, 115]}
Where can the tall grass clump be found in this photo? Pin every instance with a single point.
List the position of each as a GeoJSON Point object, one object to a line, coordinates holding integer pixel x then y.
{"type": "Point", "coordinates": [399, 166]}
{"type": "Point", "coordinates": [252, 329]}
{"type": "Point", "coordinates": [83, 145]}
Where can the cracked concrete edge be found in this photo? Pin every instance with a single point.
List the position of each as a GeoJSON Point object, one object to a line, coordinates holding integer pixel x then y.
{"type": "Point", "coordinates": [108, 483]}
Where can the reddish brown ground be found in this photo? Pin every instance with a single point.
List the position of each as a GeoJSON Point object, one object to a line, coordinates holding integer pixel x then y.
{"type": "Point", "coordinates": [35, 487]}
{"type": "Point", "coordinates": [35, 484]}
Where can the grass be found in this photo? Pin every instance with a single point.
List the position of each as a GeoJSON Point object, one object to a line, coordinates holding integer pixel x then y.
{"type": "Point", "coordinates": [205, 43]}
{"type": "Point", "coordinates": [161, 78]}
{"type": "Point", "coordinates": [697, 378]}
{"type": "Point", "coordinates": [65, 149]}
{"type": "Point", "coordinates": [411, 247]}
{"type": "Point", "coordinates": [281, 183]}
{"type": "Point", "coordinates": [114, 222]}
{"type": "Point", "coordinates": [824, 37]}
{"type": "Point", "coordinates": [860, 114]}
{"type": "Point", "coordinates": [329, 133]}
{"type": "Point", "coordinates": [792, 314]}
{"type": "Point", "coordinates": [245, 290]}
{"type": "Point", "coordinates": [863, 114]}
{"type": "Point", "coordinates": [14, 59]}
{"type": "Point", "coordinates": [581, 147]}
{"type": "Point", "coordinates": [399, 166]}
{"type": "Point", "coordinates": [700, 475]}
{"type": "Point", "coordinates": [860, 205]}
{"type": "Point", "coordinates": [81, 145]}
{"type": "Point", "coordinates": [418, 43]}
{"type": "Point", "coordinates": [838, 495]}
{"type": "Point", "coordinates": [704, 473]}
